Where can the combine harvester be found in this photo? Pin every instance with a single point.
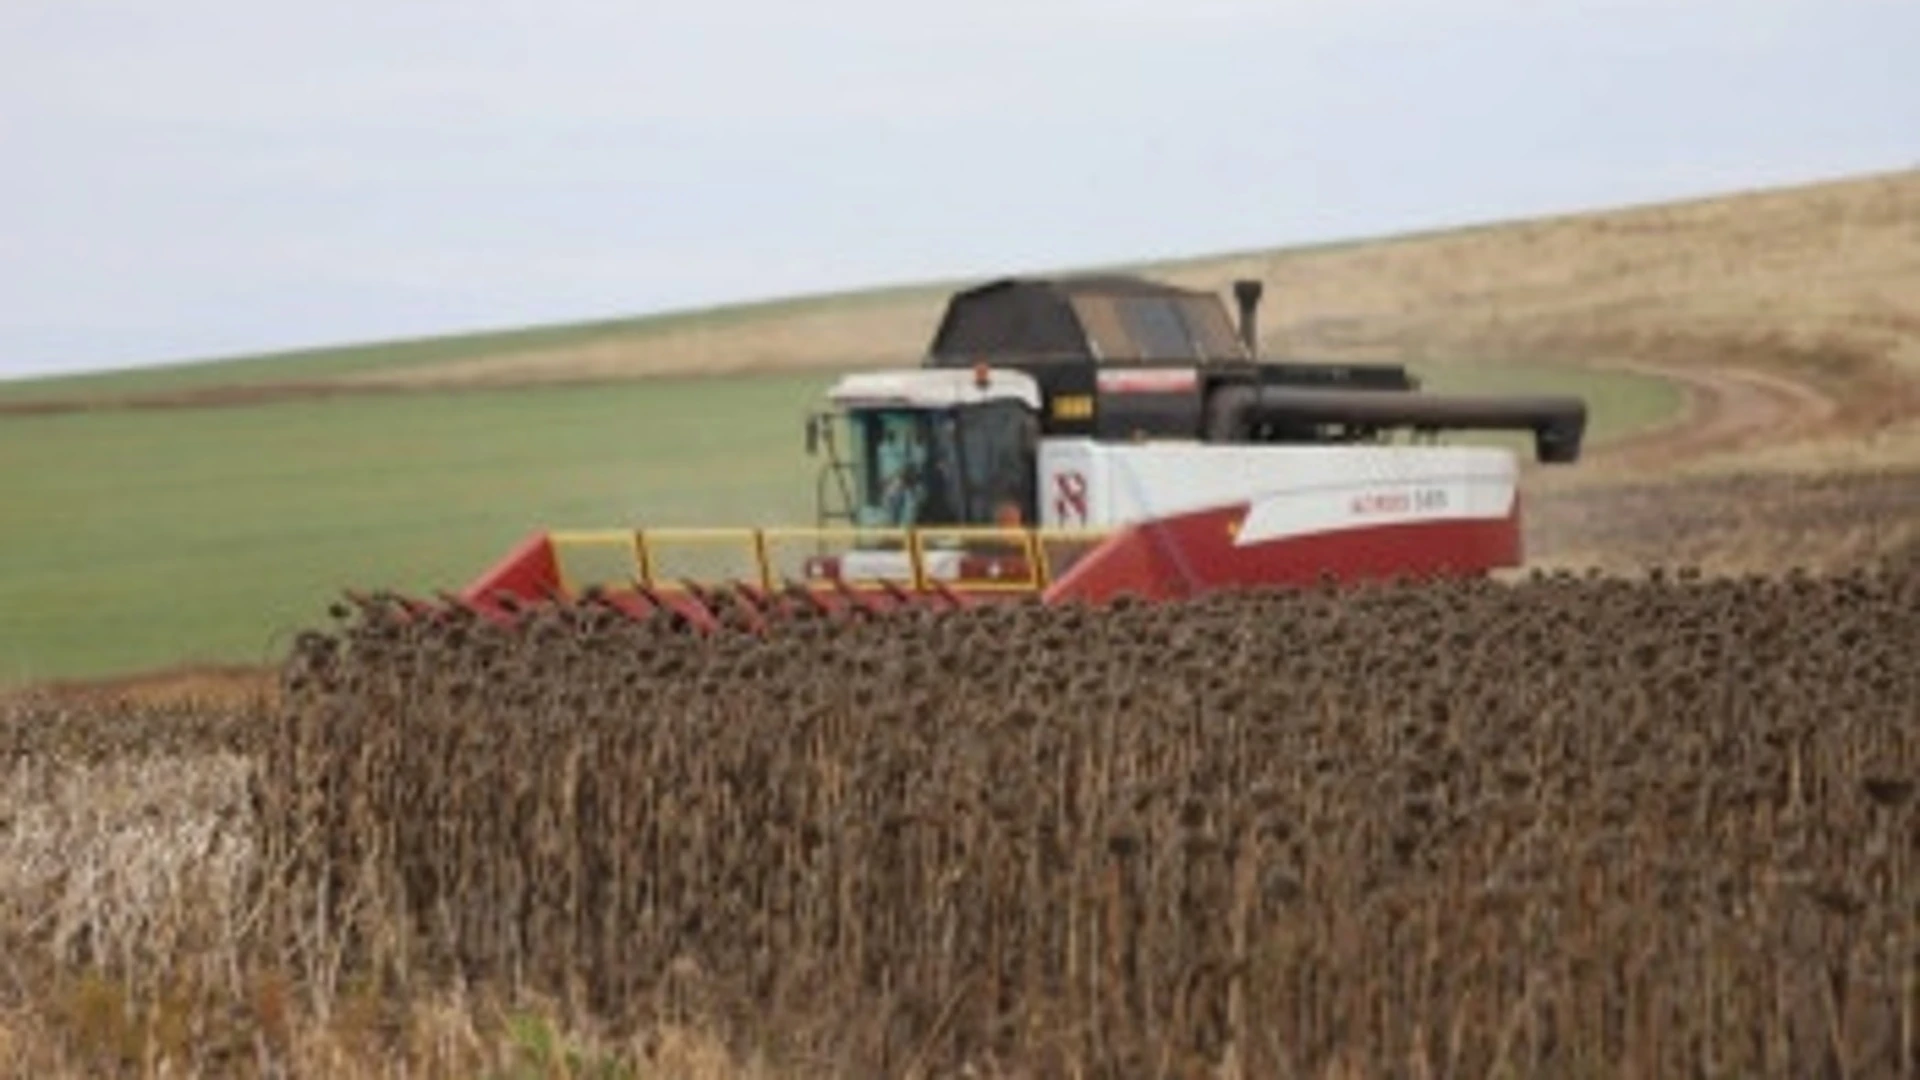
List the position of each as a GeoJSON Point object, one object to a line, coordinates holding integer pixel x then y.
{"type": "Point", "coordinates": [1081, 440]}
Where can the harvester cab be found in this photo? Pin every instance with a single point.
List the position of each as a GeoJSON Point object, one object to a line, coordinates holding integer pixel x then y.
{"type": "Point", "coordinates": [906, 449]}
{"type": "Point", "coordinates": [1082, 439]}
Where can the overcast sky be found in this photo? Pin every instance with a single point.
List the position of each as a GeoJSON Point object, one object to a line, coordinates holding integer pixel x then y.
{"type": "Point", "coordinates": [202, 177]}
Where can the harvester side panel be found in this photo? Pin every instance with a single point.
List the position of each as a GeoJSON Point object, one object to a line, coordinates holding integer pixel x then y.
{"type": "Point", "coordinates": [1200, 552]}
{"type": "Point", "coordinates": [1084, 483]}
{"type": "Point", "coordinates": [1197, 518]}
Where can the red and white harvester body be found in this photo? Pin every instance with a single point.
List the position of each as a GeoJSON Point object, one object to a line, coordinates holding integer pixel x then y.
{"type": "Point", "coordinates": [1084, 440]}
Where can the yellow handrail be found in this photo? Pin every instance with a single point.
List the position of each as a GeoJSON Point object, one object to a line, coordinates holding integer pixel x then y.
{"type": "Point", "coordinates": [643, 546]}
{"type": "Point", "coordinates": [595, 538]}
{"type": "Point", "coordinates": [1023, 537]}
{"type": "Point", "coordinates": [824, 535]}
{"type": "Point", "coordinates": [1089, 536]}
{"type": "Point", "coordinates": [649, 539]}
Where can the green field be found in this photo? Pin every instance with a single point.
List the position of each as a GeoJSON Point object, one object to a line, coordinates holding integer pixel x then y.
{"type": "Point", "coordinates": [137, 539]}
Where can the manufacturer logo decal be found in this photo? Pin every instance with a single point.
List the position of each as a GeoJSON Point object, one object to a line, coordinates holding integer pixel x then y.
{"type": "Point", "coordinates": [1427, 500]}
{"type": "Point", "coordinates": [1070, 497]}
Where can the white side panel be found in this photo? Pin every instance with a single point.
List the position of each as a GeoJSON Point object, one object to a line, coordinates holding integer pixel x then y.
{"type": "Point", "coordinates": [1073, 491]}
{"type": "Point", "coordinates": [1289, 490]}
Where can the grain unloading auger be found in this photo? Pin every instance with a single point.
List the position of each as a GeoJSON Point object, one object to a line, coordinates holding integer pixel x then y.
{"type": "Point", "coordinates": [1081, 440]}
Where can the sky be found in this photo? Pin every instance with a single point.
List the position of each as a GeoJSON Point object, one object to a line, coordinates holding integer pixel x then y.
{"type": "Point", "coordinates": [212, 177]}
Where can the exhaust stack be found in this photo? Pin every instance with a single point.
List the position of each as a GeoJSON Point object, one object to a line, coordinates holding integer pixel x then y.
{"type": "Point", "coordinates": [1247, 291]}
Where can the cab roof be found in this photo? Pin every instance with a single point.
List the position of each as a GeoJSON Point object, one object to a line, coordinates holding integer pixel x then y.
{"type": "Point", "coordinates": [934, 388]}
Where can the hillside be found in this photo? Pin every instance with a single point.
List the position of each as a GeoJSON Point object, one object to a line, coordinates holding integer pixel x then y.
{"type": "Point", "coordinates": [1817, 285]}
{"type": "Point", "coordinates": [1826, 268]}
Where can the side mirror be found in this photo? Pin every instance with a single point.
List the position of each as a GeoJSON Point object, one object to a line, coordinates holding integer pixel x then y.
{"type": "Point", "coordinates": [813, 436]}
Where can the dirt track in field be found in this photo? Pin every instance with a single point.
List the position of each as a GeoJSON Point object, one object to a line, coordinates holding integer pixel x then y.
{"type": "Point", "coordinates": [1728, 409]}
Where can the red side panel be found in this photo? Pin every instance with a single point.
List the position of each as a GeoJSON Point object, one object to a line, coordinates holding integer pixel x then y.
{"type": "Point", "coordinates": [531, 572]}
{"type": "Point", "coordinates": [1196, 553]}
{"type": "Point", "coordinates": [1131, 562]}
